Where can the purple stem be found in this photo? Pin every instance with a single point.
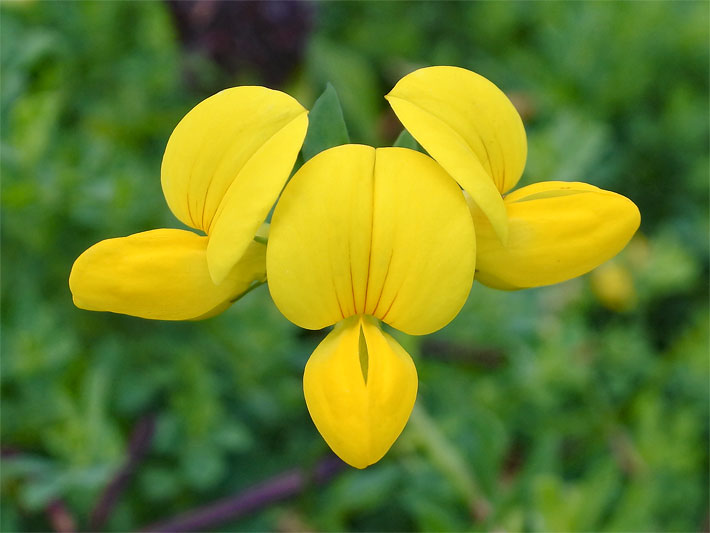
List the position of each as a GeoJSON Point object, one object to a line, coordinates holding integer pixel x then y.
{"type": "Point", "coordinates": [275, 489]}
{"type": "Point", "coordinates": [58, 513]}
{"type": "Point", "coordinates": [137, 448]}
{"type": "Point", "coordinates": [9, 451]}
{"type": "Point", "coordinates": [60, 517]}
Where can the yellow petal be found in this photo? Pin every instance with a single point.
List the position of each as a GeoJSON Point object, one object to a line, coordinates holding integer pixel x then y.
{"type": "Point", "coordinates": [360, 386]}
{"type": "Point", "coordinates": [159, 274]}
{"type": "Point", "coordinates": [383, 232]}
{"type": "Point", "coordinates": [423, 251]}
{"type": "Point", "coordinates": [558, 231]}
{"type": "Point", "coordinates": [226, 163]}
{"type": "Point", "coordinates": [320, 233]}
{"type": "Point", "coordinates": [470, 127]}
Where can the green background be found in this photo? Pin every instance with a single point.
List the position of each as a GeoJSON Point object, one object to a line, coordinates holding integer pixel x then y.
{"type": "Point", "coordinates": [577, 407]}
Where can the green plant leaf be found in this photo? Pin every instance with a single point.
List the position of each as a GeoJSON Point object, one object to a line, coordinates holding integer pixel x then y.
{"type": "Point", "coordinates": [326, 127]}
{"type": "Point", "coordinates": [405, 140]}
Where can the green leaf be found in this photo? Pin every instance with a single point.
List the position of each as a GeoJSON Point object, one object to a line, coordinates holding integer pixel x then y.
{"type": "Point", "coordinates": [326, 127]}
{"type": "Point", "coordinates": [356, 78]}
{"type": "Point", "coordinates": [405, 140]}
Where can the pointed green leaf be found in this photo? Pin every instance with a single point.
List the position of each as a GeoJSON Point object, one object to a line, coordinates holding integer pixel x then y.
{"type": "Point", "coordinates": [405, 140]}
{"type": "Point", "coordinates": [326, 127]}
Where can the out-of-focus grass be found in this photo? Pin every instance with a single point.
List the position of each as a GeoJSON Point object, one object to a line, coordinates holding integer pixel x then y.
{"type": "Point", "coordinates": [572, 408]}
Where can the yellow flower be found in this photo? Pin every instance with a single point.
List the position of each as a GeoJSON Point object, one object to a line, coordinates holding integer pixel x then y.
{"type": "Point", "coordinates": [224, 167]}
{"type": "Point", "coordinates": [541, 234]}
{"type": "Point", "coordinates": [362, 235]}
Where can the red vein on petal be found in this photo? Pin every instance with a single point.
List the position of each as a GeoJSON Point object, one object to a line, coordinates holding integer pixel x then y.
{"type": "Point", "coordinates": [394, 299]}
{"type": "Point", "coordinates": [384, 282]}
{"type": "Point", "coordinates": [372, 231]}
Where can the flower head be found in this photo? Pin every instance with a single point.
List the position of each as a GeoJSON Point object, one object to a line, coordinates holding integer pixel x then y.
{"type": "Point", "coordinates": [361, 236]}
{"type": "Point", "coordinates": [224, 167]}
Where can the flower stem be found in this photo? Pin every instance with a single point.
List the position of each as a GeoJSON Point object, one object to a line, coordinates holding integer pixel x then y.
{"type": "Point", "coordinates": [251, 287]}
{"type": "Point", "coordinates": [138, 447]}
{"type": "Point", "coordinates": [285, 485]}
{"type": "Point", "coordinates": [443, 454]}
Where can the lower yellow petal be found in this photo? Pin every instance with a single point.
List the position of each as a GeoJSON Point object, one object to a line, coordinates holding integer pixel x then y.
{"type": "Point", "coordinates": [360, 387]}
{"type": "Point", "coordinates": [160, 274]}
{"type": "Point", "coordinates": [558, 231]}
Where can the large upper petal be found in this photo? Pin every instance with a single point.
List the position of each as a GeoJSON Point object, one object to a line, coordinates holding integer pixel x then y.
{"type": "Point", "coordinates": [558, 231]}
{"type": "Point", "coordinates": [470, 127]}
{"type": "Point", "coordinates": [160, 274]}
{"type": "Point", "coordinates": [360, 386]}
{"type": "Point", "coordinates": [382, 232]}
{"type": "Point", "coordinates": [226, 163]}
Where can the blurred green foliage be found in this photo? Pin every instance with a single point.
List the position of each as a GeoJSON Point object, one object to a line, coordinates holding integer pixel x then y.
{"type": "Point", "coordinates": [578, 407]}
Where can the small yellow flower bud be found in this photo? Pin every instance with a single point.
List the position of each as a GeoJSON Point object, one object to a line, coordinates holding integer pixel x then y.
{"type": "Point", "coordinates": [613, 286]}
